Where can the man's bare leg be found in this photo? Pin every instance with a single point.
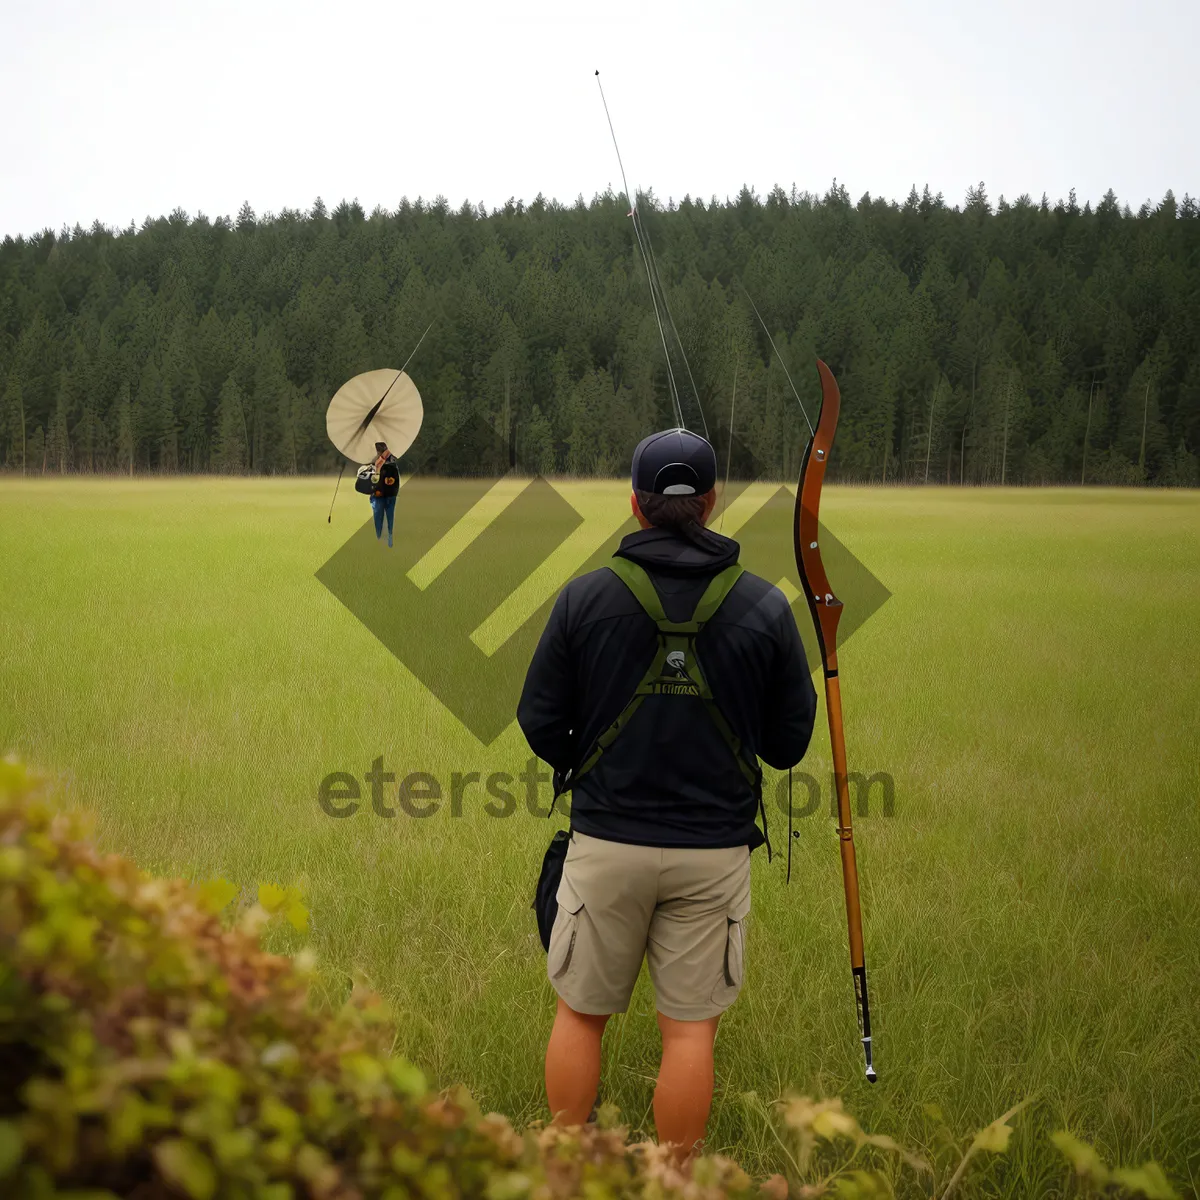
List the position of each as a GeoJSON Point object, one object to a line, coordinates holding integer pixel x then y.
{"type": "Point", "coordinates": [683, 1097]}
{"type": "Point", "coordinates": [573, 1064]}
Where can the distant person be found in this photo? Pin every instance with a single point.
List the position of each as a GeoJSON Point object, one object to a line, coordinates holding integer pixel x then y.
{"type": "Point", "coordinates": [658, 735]}
{"type": "Point", "coordinates": [386, 473]}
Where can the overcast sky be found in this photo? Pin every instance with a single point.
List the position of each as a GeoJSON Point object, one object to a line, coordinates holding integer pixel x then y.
{"type": "Point", "coordinates": [125, 109]}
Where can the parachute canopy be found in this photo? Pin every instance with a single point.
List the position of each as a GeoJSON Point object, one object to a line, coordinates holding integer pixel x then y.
{"type": "Point", "coordinates": [377, 406]}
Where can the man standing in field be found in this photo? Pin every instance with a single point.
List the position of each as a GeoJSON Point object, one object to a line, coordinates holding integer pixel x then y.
{"type": "Point", "coordinates": [658, 684]}
{"type": "Point", "coordinates": [386, 469]}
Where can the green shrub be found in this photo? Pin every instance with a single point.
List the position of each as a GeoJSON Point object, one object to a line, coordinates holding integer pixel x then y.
{"type": "Point", "coordinates": [147, 1048]}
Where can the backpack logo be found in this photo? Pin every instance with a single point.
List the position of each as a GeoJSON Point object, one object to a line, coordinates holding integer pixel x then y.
{"type": "Point", "coordinates": [682, 684]}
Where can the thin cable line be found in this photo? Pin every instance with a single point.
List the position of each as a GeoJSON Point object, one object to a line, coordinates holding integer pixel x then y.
{"type": "Point", "coordinates": [647, 251]}
{"type": "Point", "coordinates": [645, 257]}
{"type": "Point", "coordinates": [372, 413]}
{"type": "Point", "coordinates": [415, 348]}
{"type": "Point", "coordinates": [729, 449]}
{"type": "Point", "coordinates": [780, 357]}
{"type": "Point", "coordinates": [675, 330]}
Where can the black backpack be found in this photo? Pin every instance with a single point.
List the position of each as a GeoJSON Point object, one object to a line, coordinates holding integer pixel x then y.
{"type": "Point", "coordinates": [545, 897]}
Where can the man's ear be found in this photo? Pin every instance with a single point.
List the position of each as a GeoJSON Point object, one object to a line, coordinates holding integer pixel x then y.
{"type": "Point", "coordinates": [710, 502]}
{"type": "Point", "coordinates": [637, 512]}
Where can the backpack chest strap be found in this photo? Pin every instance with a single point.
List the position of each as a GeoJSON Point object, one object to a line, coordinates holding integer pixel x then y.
{"type": "Point", "coordinates": [676, 669]}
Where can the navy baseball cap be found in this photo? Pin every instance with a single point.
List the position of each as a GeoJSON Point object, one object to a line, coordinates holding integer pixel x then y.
{"type": "Point", "coordinates": [675, 462]}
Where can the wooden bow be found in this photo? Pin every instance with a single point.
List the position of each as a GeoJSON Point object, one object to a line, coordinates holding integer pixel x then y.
{"type": "Point", "coordinates": [826, 611]}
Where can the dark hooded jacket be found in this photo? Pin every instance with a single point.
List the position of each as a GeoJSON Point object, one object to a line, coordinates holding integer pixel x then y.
{"type": "Point", "coordinates": [669, 779]}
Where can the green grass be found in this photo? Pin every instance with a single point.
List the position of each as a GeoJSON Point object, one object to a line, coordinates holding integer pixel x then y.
{"type": "Point", "coordinates": [1031, 909]}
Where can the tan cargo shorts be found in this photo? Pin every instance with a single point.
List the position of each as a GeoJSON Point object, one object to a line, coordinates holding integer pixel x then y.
{"type": "Point", "coordinates": [683, 910]}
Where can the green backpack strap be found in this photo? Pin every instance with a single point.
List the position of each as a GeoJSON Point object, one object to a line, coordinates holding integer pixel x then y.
{"type": "Point", "coordinates": [642, 586]}
{"type": "Point", "coordinates": [718, 588]}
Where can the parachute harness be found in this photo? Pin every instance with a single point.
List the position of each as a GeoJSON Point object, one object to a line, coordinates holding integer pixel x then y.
{"type": "Point", "coordinates": [676, 669]}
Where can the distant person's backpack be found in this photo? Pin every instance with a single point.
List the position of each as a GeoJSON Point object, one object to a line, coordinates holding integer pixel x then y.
{"type": "Point", "coordinates": [364, 483]}
{"type": "Point", "coordinates": [389, 479]}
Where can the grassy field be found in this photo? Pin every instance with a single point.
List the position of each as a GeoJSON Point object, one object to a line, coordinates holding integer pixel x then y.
{"type": "Point", "coordinates": [1031, 908]}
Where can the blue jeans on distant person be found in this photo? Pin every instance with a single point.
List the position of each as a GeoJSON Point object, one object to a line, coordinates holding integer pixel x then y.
{"type": "Point", "coordinates": [379, 506]}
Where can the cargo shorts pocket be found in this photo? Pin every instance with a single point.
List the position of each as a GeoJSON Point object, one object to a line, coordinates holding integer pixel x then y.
{"type": "Point", "coordinates": [733, 966]}
{"type": "Point", "coordinates": [565, 931]}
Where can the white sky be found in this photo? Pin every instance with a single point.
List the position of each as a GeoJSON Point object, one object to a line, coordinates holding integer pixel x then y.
{"type": "Point", "coordinates": [130, 108]}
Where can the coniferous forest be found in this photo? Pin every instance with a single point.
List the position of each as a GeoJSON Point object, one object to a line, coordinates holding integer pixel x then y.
{"type": "Point", "coordinates": [1022, 342]}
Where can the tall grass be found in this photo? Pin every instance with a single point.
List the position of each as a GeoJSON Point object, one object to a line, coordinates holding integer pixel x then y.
{"type": "Point", "coordinates": [1031, 908]}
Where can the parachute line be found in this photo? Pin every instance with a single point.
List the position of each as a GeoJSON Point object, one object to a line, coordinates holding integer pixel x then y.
{"type": "Point", "coordinates": [643, 244]}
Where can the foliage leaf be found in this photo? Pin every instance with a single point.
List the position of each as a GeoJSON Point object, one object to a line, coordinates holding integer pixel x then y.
{"type": "Point", "coordinates": [184, 1164]}
{"type": "Point", "coordinates": [216, 894]}
{"type": "Point", "coordinates": [10, 1148]}
{"type": "Point", "coordinates": [1084, 1159]}
{"type": "Point", "coordinates": [1148, 1180]}
{"type": "Point", "coordinates": [993, 1138]}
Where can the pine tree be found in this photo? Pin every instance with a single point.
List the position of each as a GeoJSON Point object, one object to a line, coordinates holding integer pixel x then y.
{"type": "Point", "coordinates": [89, 435]}
{"type": "Point", "coordinates": [58, 442]}
{"type": "Point", "coordinates": [15, 433]}
{"type": "Point", "coordinates": [37, 450]}
{"type": "Point", "coordinates": [124, 422]}
{"type": "Point", "coordinates": [191, 417]}
{"type": "Point", "coordinates": [230, 441]}
{"type": "Point", "coordinates": [269, 404]}
{"type": "Point", "coordinates": [537, 445]}
{"type": "Point", "coordinates": [1141, 437]}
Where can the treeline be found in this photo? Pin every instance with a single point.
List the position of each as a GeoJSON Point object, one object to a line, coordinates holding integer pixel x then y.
{"type": "Point", "coordinates": [1006, 343]}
